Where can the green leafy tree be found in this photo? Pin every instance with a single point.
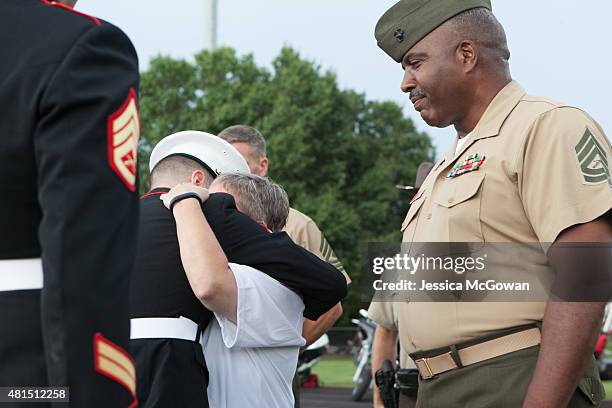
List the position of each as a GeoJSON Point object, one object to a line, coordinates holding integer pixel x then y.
{"type": "Point", "coordinates": [338, 155]}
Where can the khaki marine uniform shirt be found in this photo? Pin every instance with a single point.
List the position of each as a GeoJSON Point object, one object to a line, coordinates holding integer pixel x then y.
{"type": "Point", "coordinates": [546, 169]}
{"type": "Point", "coordinates": [304, 232]}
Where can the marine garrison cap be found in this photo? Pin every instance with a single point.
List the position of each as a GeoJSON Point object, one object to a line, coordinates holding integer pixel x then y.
{"type": "Point", "coordinates": [214, 153]}
{"type": "Point", "coordinates": [408, 21]}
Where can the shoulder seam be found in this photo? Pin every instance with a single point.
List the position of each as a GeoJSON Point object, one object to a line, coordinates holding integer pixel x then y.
{"type": "Point", "coordinates": [63, 59]}
{"type": "Point", "coordinates": [532, 99]}
{"type": "Point", "coordinates": [557, 108]}
{"type": "Point", "coordinates": [62, 6]}
{"type": "Point", "coordinates": [553, 108]}
{"type": "Point", "coordinates": [302, 215]}
{"type": "Point", "coordinates": [551, 103]}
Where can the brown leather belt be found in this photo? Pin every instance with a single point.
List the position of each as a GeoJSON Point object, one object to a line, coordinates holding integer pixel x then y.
{"type": "Point", "coordinates": [432, 366]}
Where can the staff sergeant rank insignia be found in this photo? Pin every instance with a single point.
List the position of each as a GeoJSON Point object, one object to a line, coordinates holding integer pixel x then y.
{"type": "Point", "coordinates": [593, 160]}
{"type": "Point", "coordinates": [123, 135]}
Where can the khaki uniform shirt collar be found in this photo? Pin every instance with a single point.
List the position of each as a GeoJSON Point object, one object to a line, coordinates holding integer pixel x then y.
{"type": "Point", "coordinates": [491, 121]}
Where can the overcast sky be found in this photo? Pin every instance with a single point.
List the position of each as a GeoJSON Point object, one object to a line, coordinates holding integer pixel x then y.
{"type": "Point", "coordinates": [560, 49]}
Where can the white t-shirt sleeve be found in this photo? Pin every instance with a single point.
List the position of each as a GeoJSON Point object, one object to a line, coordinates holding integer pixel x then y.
{"type": "Point", "coordinates": [268, 314]}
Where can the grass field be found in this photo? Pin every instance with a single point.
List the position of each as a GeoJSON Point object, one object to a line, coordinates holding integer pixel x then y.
{"type": "Point", "coordinates": [337, 371]}
{"type": "Point", "coordinates": [608, 387]}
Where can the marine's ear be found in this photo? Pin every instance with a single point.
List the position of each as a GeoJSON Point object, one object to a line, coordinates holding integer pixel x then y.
{"type": "Point", "coordinates": [467, 54]}
{"type": "Point", "coordinates": [198, 177]}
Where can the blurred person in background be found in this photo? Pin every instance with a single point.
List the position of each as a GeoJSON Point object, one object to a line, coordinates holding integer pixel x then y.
{"type": "Point", "coordinates": [385, 314]}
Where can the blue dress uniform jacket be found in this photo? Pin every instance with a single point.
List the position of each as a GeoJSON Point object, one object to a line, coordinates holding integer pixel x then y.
{"type": "Point", "coordinates": [68, 134]}
{"type": "Point", "coordinates": [160, 288]}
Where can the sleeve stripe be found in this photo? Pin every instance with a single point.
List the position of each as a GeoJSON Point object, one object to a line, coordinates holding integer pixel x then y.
{"type": "Point", "coordinates": [322, 245]}
{"type": "Point", "coordinates": [124, 362]}
{"type": "Point", "coordinates": [328, 251]}
{"type": "Point", "coordinates": [113, 362]}
{"type": "Point", "coordinates": [112, 370]}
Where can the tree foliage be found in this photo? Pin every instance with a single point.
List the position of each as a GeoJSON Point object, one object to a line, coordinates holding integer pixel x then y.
{"type": "Point", "coordinates": [338, 155]}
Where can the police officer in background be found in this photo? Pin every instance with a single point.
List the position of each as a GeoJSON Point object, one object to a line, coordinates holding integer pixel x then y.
{"type": "Point", "coordinates": [385, 314]}
{"type": "Point", "coordinates": [301, 228]}
{"type": "Point", "coordinates": [522, 169]}
{"type": "Point", "coordinates": [69, 131]}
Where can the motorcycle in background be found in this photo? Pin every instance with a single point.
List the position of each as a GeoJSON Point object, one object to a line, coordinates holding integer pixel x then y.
{"type": "Point", "coordinates": [363, 373]}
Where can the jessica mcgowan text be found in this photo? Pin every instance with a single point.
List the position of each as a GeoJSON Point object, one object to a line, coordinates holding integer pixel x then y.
{"type": "Point", "coordinates": [475, 285]}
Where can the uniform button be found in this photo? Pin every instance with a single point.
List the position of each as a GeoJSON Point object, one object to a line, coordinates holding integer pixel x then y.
{"type": "Point", "coordinates": [428, 216]}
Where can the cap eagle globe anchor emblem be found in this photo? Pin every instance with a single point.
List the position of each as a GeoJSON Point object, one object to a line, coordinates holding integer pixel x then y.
{"type": "Point", "coordinates": [399, 35]}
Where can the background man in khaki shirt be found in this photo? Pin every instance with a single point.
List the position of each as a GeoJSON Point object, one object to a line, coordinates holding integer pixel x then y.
{"type": "Point", "coordinates": [301, 228]}
{"type": "Point", "coordinates": [523, 169]}
{"type": "Point", "coordinates": [385, 314]}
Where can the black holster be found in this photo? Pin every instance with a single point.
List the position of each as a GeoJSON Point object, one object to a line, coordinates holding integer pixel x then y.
{"type": "Point", "coordinates": [385, 381]}
{"type": "Point", "coordinates": [407, 380]}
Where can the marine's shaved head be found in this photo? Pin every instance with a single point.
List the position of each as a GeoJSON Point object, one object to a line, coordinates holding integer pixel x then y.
{"type": "Point", "coordinates": [177, 169]}
{"type": "Point", "coordinates": [482, 27]}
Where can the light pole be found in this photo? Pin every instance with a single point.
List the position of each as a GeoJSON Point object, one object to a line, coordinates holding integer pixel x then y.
{"type": "Point", "coordinates": [210, 24]}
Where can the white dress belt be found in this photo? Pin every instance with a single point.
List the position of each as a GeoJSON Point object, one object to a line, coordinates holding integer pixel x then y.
{"type": "Point", "coordinates": [180, 328]}
{"type": "Point", "coordinates": [20, 274]}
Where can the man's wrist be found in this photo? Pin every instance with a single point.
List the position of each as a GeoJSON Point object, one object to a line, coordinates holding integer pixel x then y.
{"type": "Point", "coordinates": [182, 198]}
{"type": "Point", "coordinates": [185, 199]}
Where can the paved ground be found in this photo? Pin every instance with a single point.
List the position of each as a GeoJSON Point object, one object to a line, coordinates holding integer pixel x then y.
{"type": "Point", "coordinates": [341, 398]}
{"type": "Point", "coordinates": [332, 398]}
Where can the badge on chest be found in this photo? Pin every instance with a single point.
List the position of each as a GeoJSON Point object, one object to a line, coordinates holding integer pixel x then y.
{"type": "Point", "coordinates": [471, 163]}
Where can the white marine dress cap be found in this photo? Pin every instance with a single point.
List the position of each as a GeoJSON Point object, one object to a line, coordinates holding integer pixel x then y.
{"type": "Point", "coordinates": [214, 153]}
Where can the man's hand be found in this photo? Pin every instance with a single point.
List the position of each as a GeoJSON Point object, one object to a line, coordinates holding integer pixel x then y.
{"type": "Point", "coordinates": [184, 188]}
{"type": "Point", "coordinates": [313, 329]}
{"type": "Point", "coordinates": [383, 348]}
{"type": "Point", "coordinates": [569, 329]}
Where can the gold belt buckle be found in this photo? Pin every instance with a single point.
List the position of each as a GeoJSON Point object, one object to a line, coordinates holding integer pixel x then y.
{"type": "Point", "coordinates": [430, 373]}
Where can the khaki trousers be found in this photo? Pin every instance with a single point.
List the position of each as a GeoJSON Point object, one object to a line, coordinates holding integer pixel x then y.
{"type": "Point", "coordinates": [500, 382]}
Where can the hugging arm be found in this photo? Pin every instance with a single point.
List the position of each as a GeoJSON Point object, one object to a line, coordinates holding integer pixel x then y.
{"type": "Point", "coordinates": [245, 242]}
{"type": "Point", "coordinates": [203, 259]}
